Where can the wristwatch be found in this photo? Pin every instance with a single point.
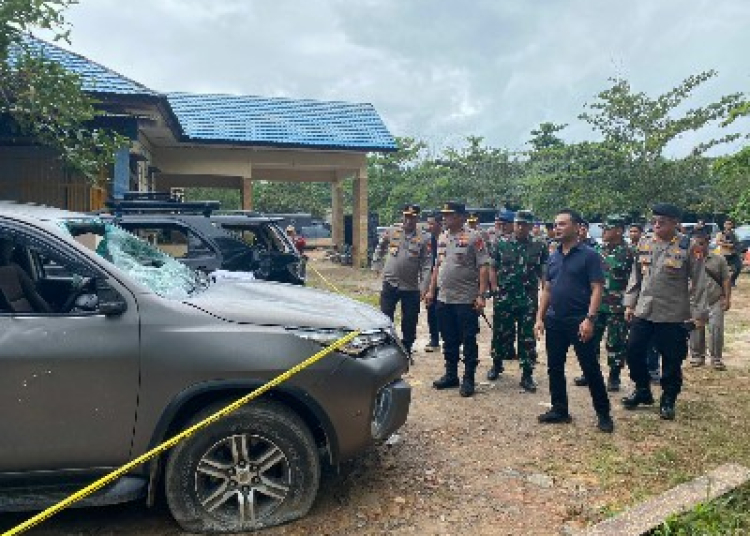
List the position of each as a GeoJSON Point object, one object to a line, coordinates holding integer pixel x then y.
{"type": "Point", "coordinates": [487, 294]}
{"type": "Point", "coordinates": [591, 317]}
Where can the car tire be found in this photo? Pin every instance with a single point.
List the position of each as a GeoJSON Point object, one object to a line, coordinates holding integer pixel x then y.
{"type": "Point", "coordinates": [255, 468]}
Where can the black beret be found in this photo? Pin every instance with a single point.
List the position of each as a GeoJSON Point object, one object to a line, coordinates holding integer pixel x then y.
{"type": "Point", "coordinates": [666, 209]}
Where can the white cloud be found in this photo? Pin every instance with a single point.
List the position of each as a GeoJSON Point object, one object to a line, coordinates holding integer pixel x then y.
{"type": "Point", "coordinates": [438, 69]}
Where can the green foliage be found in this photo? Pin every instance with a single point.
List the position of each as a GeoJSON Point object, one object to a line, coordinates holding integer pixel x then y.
{"type": "Point", "coordinates": [726, 515]}
{"type": "Point", "coordinates": [42, 102]}
{"type": "Point", "coordinates": [733, 173]}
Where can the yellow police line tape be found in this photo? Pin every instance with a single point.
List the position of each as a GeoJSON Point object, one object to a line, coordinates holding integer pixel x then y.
{"type": "Point", "coordinates": [91, 488]}
{"type": "Point", "coordinates": [337, 291]}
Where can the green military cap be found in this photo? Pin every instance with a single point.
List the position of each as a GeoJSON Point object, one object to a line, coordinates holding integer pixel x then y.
{"type": "Point", "coordinates": [612, 221]}
{"type": "Point", "coordinates": [524, 216]}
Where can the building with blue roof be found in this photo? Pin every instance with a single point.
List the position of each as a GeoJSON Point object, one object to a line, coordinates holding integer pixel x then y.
{"type": "Point", "coordinates": [183, 140]}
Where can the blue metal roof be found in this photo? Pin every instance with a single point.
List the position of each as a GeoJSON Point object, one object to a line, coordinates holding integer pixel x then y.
{"type": "Point", "coordinates": [94, 77]}
{"type": "Point", "coordinates": [246, 120]}
{"type": "Point", "coordinates": [281, 122]}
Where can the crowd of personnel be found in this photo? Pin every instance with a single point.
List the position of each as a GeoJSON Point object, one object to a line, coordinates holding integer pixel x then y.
{"type": "Point", "coordinates": [649, 297]}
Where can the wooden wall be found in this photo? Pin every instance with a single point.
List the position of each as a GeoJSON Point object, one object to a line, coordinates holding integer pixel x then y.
{"type": "Point", "coordinates": [35, 175]}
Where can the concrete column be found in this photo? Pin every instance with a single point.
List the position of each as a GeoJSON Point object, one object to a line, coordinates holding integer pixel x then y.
{"type": "Point", "coordinates": [337, 212]}
{"type": "Point", "coordinates": [246, 193]}
{"type": "Point", "coordinates": [359, 219]}
{"type": "Point", "coordinates": [121, 180]}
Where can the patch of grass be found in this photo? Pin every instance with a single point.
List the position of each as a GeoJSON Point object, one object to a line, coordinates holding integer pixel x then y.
{"type": "Point", "coordinates": [726, 515]}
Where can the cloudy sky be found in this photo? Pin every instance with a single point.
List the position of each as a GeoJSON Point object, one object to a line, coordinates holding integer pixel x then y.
{"type": "Point", "coordinates": [435, 69]}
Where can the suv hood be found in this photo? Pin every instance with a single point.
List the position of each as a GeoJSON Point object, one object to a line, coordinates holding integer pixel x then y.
{"type": "Point", "coordinates": [278, 304]}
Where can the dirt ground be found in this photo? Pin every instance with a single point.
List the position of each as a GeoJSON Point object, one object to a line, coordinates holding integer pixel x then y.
{"type": "Point", "coordinates": [484, 466]}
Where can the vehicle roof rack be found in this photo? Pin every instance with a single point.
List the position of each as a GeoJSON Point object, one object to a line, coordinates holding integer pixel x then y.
{"type": "Point", "coordinates": [160, 203]}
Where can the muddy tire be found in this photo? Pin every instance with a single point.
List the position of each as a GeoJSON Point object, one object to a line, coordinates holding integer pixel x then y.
{"type": "Point", "coordinates": [255, 468]}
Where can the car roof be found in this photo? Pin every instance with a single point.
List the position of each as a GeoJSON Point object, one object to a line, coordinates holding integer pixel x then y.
{"type": "Point", "coordinates": [38, 212]}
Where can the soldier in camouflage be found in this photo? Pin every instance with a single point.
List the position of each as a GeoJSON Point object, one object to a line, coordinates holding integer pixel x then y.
{"type": "Point", "coordinates": [617, 262]}
{"type": "Point", "coordinates": [517, 270]}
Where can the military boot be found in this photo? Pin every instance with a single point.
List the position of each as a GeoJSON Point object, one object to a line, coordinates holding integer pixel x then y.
{"type": "Point", "coordinates": [467, 384]}
{"type": "Point", "coordinates": [495, 371]}
{"type": "Point", "coordinates": [527, 382]}
{"type": "Point", "coordinates": [449, 380]}
{"type": "Point", "coordinates": [666, 407]}
{"type": "Point", "coordinates": [641, 395]}
{"type": "Point", "coordinates": [613, 382]}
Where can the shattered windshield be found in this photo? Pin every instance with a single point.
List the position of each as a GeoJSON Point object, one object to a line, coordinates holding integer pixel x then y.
{"type": "Point", "coordinates": [140, 260]}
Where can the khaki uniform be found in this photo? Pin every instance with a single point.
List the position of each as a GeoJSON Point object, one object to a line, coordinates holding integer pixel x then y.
{"type": "Point", "coordinates": [663, 277]}
{"type": "Point", "coordinates": [717, 271]}
{"type": "Point", "coordinates": [659, 288]}
{"type": "Point", "coordinates": [406, 260]}
{"type": "Point", "coordinates": [460, 256]}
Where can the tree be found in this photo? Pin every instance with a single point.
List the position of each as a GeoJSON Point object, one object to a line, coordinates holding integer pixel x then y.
{"type": "Point", "coordinates": [42, 102]}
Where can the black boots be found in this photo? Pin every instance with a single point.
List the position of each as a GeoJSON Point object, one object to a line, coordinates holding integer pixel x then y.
{"type": "Point", "coordinates": [495, 371]}
{"type": "Point", "coordinates": [641, 395]}
{"type": "Point", "coordinates": [666, 407]}
{"type": "Point", "coordinates": [527, 382]}
{"type": "Point", "coordinates": [449, 380]}
{"type": "Point", "coordinates": [467, 385]}
{"type": "Point", "coordinates": [580, 381]}
{"type": "Point", "coordinates": [613, 382]}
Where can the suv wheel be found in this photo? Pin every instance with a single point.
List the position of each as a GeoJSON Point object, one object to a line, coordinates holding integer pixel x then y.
{"type": "Point", "coordinates": [255, 468]}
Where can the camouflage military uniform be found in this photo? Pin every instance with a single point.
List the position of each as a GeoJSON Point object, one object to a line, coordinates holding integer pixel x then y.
{"type": "Point", "coordinates": [519, 266]}
{"type": "Point", "coordinates": [617, 261]}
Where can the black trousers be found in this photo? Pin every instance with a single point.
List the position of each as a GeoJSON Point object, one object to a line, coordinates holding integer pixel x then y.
{"type": "Point", "coordinates": [670, 340]}
{"type": "Point", "coordinates": [459, 326]}
{"type": "Point", "coordinates": [432, 322]}
{"type": "Point", "coordinates": [735, 261]}
{"type": "Point", "coordinates": [389, 298]}
{"type": "Point", "coordinates": [561, 335]}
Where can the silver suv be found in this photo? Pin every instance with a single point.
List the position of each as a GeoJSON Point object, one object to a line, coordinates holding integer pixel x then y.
{"type": "Point", "coordinates": [109, 346]}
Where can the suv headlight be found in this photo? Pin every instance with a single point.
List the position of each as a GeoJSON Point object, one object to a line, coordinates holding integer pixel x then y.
{"type": "Point", "coordinates": [356, 347]}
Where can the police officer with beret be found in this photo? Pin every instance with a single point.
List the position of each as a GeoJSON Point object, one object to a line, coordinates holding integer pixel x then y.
{"type": "Point", "coordinates": [657, 302]}
{"type": "Point", "coordinates": [405, 257]}
{"type": "Point", "coordinates": [461, 276]}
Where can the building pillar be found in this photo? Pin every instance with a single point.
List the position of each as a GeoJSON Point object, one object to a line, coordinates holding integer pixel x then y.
{"type": "Point", "coordinates": [121, 180]}
{"type": "Point", "coordinates": [360, 219]}
{"type": "Point", "coordinates": [337, 212]}
{"type": "Point", "coordinates": [246, 193]}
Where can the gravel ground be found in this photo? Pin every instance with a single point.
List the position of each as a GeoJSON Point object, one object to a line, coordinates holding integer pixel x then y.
{"type": "Point", "coordinates": [480, 465]}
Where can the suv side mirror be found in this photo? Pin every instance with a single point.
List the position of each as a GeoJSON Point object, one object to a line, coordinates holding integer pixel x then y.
{"type": "Point", "coordinates": [110, 301]}
{"type": "Point", "coordinates": [113, 308]}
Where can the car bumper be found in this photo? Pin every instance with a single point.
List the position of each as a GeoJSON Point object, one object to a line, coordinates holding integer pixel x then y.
{"type": "Point", "coordinates": [367, 399]}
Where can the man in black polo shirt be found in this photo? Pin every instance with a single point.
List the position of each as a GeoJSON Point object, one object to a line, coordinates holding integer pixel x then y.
{"type": "Point", "coordinates": [567, 311]}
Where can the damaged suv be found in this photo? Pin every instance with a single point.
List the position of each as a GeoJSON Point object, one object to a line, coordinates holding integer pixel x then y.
{"type": "Point", "coordinates": [110, 347]}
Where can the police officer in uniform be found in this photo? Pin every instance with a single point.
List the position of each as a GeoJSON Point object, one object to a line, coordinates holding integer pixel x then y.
{"type": "Point", "coordinates": [617, 262]}
{"type": "Point", "coordinates": [461, 276]}
{"type": "Point", "coordinates": [515, 275]}
{"type": "Point", "coordinates": [658, 306]}
{"type": "Point", "coordinates": [405, 256]}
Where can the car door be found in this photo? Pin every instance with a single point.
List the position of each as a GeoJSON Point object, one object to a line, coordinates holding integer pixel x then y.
{"type": "Point", "coordinates": [69, 380]}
